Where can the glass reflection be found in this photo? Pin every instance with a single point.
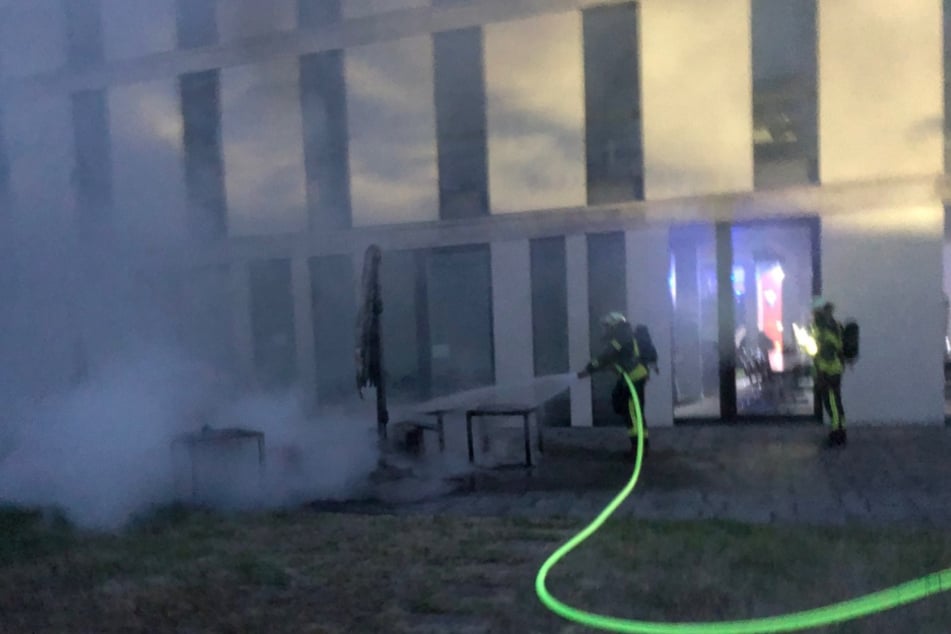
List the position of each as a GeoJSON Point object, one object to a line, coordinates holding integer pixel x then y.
{"type": "Point", "coordinates": [263, 148]}
{"type": "Point", "coordinates": [772, 290]}
{"type": "Point", "coordinates": [145, 123]}
{"type": "Point", "coordinates": [535, 108]}
{"type": "Point", "coordinates": [693, 283]}
{"type": "Point", "coordinates": [392, 120]}
{"type": "Point", "coordinates": [784, 92]}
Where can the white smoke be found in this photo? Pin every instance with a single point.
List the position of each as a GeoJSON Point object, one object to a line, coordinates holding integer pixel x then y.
{"type": "Point", "coordinates": [102, 451]}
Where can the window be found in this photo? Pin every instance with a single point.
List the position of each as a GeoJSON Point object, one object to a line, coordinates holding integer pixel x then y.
{"type": "Point", "coordinates": [739, 292]}
{"type": "Point", "coordinates": [694, 291]}
{"type": "Point", "coordinates": [262, 148]}
{"type": "Point", "coordinates": [324, 112]}
{"type": "Point", "coordinates": [785, 143]}
{"type": "Point", "coordinates": [437, 321]}
{"type": "Point", "coordinates": [615, 163]}
{"type": "Point", "coordinates": [550, 320]}
{"type": "Point", "coordinates": [334, 316]}
{"type": "Point", "coordinates": [147, 171]}
{"type": "Point", "coordinates": [204, 175]}
{"type": "Point", "coordinates": [549, 306]}
{"type": "Point", "coordinates": [196, 23]}
{"type": "Point", "coordinates": [459, 298]}
{"type": "Point", "coordinates": [93, 176]}
{"type": "Point", "coordinates": [407, 351]}
{"type": "Point", "coordinates": [460, 123]}
{"type": "Point", "coordinates": [272, 323]}
{"type": "Point", "coordinates": [391, 119]}
{"type": "Point", "coordinates": [534, 79]}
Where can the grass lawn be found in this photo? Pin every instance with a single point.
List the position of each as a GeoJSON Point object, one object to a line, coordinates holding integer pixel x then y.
{"type": "Point", "coordinates": [301, 571]}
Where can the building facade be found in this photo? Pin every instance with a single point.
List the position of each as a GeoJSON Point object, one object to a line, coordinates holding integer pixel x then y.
{"type": "Point", "coordinates": [526, 166]}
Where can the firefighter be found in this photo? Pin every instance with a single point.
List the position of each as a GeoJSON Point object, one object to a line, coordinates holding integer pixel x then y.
{"type": "Point", "coordinates": [621, 355]}
{"type": "Point", "coordinates": [828, 364]}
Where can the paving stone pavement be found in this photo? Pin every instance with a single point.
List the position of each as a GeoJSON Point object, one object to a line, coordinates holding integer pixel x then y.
{"type": "Point", "coordinates": [757, 473]}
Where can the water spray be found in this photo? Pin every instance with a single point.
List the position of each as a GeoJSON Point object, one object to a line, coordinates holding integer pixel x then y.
{"type": "Point", "coordinates": [835, 613]}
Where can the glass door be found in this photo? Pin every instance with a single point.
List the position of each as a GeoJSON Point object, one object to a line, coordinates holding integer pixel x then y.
{"type": "Point", "coordinates": [738, 291]}
{"type": "Point", "coordinates": [772, 277]}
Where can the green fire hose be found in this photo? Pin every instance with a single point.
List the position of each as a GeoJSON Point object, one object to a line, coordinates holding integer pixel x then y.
{"type": "Point", "coordinates": [835, 613]}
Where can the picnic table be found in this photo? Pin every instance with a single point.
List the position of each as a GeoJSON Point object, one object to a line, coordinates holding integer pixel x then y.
{"type": "Point", "coordinates": [217, 437]}
{"type": "Point", "coordinates": [506, 410]}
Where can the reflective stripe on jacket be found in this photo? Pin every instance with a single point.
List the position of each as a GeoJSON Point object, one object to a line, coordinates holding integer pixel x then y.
{"type": "Point", "coordinates": [828, 359]}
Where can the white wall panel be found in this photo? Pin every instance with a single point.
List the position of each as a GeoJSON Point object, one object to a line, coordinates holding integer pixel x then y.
{"type": "Point", "coordinates": [883, 267]}
{"type": "Point", "coordinates": [880, 89]}
{"type": "Point", "coordinates": [696, 94]}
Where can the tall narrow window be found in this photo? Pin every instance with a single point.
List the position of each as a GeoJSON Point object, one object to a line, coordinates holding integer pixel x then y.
{"type": "Point", "coordinates": [93, 175]}
{"type": "Point", "coordinates": [406, 340]}
{"type": "Point", "coordinates": [84, 42]}
{"type": "Point", "coordinates": [326, 159]}
{"type": "Point", "coordinates": [334, 313]}
{"type": "Point", "coordinates": [607, 292]}
{"type": "Point", "coordinates": [262, 148]}
{"type": "Point", "coordinates": [785, 136]}
{"type": "Point", "coordinates": [272, 323]}
{"type": "Point", "coordinates": [534, 79]}
{"type": "Point", "coordinates": [459, 294]}
{"type": "Point", "coordinates": [392, 132]}
{"type": "Point", "coordinates": [549, 306]}
{"type": "Point", "coordinates": [550, 321]}
{"type": "Point", "coordinates": [460, 123]}
{"type": "Point", "coordinates": [615, 162]}
{"type": "Point", "coordinates": [204, 175]}
{"type": "Point", "coordinates": [196, 23]}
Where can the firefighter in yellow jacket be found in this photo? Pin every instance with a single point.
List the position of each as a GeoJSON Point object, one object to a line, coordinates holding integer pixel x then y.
{"type": "Point", "coordinates": [622, 356]}
{"type": "Point", "coordinates": [829, 363]}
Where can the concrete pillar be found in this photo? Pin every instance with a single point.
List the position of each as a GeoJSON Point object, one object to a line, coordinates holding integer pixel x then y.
{"type": "Point", "coordinates": [649, 303]}
{"type": "Point", "coordinates": [304, 329]}
{"type": "Point", "coordinates": [579, 344]}
{"type": "Point", "coordinates": [512, 312]}
{"type": "Point", "coordinates": [896, 254]}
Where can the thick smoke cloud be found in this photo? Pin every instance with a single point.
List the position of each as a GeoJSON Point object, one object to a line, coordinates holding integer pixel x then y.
{"type": "Point", "coordinates": [113, 340]}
